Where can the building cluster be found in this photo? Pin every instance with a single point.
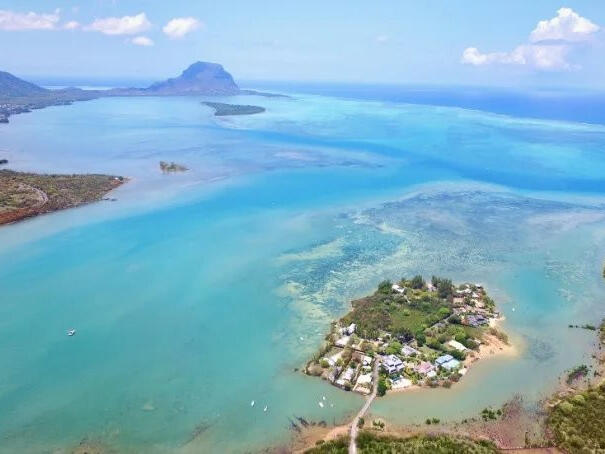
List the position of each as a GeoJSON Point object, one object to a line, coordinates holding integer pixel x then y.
{"type": "Point", "coordinates": [350, 360]}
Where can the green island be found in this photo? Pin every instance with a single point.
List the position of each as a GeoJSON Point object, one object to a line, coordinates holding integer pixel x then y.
{"type": "Point", "coordinates": [222, 109]}
{"type": "Point", "coordinates": [570, 422]}
{"type": "Point", "coordinates": [24, 195]}
{"type": "Point", "coordinates": [413, 333]}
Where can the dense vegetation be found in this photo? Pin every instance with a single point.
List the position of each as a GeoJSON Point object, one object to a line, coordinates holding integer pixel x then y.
{"type": "Point", "coordinates": [27, 194]}
{"type": "Point", "coordinates": [338, 446]}
{"type": "Point", "coordinates": [222, 109]}
{"type": "Point", "coordinates": [577, 422]}
{"type": "Point", "coordinates": [369, 443]}
{"type": "Point", "coordinates": [404, 316]}
{"type": "Point", "coordinates": [168, 167]}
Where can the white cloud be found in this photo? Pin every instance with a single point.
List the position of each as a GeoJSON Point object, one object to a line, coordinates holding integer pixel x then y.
{"type": "Point", "coordinates": [142, 41]}
{"type": "Point", "coordinates": [550, 44]}
{"type": "Point", "coordinates": [566, 26]}
{"type": "Point", "coordinates": [71, 25]}
{"type": "Point", "coordinates": [180, 26]}
{"type": "Point", "coordinates": [382, 38]}
{"type": "Point", "coordinates": [13, 21]}
{"type": "Point", "coordinates": [544, 57]}
{"type": "Point", "coordinates": [127, 25]}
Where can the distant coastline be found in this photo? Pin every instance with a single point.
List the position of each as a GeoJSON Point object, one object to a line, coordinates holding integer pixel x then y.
{"type": "Point", "coordinates": [199, 79]}
{"type": "Point", "coordinates": [24, 195]}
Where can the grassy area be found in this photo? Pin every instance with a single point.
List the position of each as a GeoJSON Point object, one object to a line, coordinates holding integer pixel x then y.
{"type": "Point", "coordinates": [28, 194]}
{"type": "Point", "coordinates": [397, 313]}
{"type": "Point", "coordinates": [577, 422]}
{"type": "Point", "coordinates": [369, 443]}
{"type": "Point", "coordinates": [338, 446]}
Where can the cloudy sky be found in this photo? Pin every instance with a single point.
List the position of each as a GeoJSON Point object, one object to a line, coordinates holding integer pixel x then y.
{"type": "Point", "coordinates": [517, 42]}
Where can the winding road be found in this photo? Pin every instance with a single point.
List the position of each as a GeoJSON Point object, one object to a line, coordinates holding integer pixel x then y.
{"type": "Point", "coordinates": [364, 409]}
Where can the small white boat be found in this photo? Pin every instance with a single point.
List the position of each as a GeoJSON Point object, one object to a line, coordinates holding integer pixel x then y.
{"type": "Point", "coordinates": [252, 404]}
{"type": "Point", "coordinates": [321, 404]}
{"type": "Point", "coordinates": [324, 397]}
{"type": "Point", "coordinates": [71, 332]}
{"type": "Point", "coordinates": [265, 409]}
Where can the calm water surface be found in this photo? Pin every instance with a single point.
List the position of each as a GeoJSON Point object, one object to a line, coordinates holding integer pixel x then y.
{"type": "Point", "coordinates": [197, 293]}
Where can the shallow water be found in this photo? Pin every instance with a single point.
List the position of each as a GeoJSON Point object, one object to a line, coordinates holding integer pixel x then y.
{"type": "Point", "coordinates": [197, 293]}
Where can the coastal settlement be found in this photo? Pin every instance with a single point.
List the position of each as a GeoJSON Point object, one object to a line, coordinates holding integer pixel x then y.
{"type": "Point", "coordinates": [422, 333]}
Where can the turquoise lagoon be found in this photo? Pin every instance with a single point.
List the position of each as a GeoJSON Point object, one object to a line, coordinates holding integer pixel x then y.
{"type": "Point", "coordinates": [196, 293]}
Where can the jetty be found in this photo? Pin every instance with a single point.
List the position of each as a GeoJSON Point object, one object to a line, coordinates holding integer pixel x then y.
{"type": "Point", "coordinates": [363, 411]}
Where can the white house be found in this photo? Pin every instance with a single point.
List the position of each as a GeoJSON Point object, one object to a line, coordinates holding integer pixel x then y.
{"type": "Point", "coordinates": [401, 383]}
{"type": "Point", "coordinates": [451, 364]}
{"type": "Point", "coordinates": [406, 350]}
{"type": "Point", "coordinates": [351, 328]}
{"type": "Point", "coordinates": [364, 379]}
{"type": "Point", "coordinates": [457, 345]}
{"type": "Point", "coordinates": [343, 341]}
{"type": "Point", "coordinates": [398, 288]}
{"type": "Point", "coordinates": [392, 364]}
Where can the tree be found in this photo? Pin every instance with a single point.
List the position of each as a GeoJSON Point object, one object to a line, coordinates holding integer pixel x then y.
{"type": "Point", "coordinates": [445, 288]}
{"type": "Point", "coordinates": [382, 387]}
{"type": "Point", "coordinates": [455, 319]}
{"type": "Point", "coordinates": [404, 334]}
{"type": "Point", "coordinates": [420, 339]}
{"type": "Point", "coordinates": [460, 337]}
{"type": "Point", "coordinates": [458, 355]}
{"type": "Point", "coordinates": [444, 312]}
{"type": "Point", "coordinates": [385, 287]}
{"type": "Point", "coordinates": [417, 282]}
{"type": "Point", "coordinates": [393, 348]}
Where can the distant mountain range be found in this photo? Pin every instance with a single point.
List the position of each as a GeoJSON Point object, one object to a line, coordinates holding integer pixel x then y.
{"type": "Point", "coordinates": [11, 86]}
{"type": "Point", "coordinates": [201, 78]}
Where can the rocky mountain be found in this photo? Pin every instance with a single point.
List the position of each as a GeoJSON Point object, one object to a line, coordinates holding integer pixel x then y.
{"type": "Point", "coordinates": [200, 78]}
{"type": "Point", "coordinates": [11, 86]}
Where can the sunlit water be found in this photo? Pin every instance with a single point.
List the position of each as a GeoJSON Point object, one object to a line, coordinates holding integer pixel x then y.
{"type": "Point", "coordinates": [196, 293]}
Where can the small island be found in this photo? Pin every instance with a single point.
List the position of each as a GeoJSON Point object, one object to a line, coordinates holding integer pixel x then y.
{"type": "Point", "coordinates": [23, 195]}
{"type": "Point", "coordinates": [222, 109]}
{"type": "Point", "coordinates": [171, 167]}
{"type": "Point", "coordinates": [409, 334]}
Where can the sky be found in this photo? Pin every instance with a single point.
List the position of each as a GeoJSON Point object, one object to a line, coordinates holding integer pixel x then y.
{"type": "Point", "coordinates": [541, 43]}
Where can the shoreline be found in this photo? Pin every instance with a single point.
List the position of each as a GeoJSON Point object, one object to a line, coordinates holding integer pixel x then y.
{"type": "Point", "coordinates": [310, 437]}
{"type": "Point", "coordinates": [518, 428]}
{"type": "Point", "coordinates": [424, 335]}
{"type": "Point", "coordinates": [35, 194]}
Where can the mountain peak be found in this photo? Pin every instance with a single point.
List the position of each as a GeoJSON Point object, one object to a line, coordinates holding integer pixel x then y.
{"type": "Point", "coordinates": [199, 78]}
{"type": "Point", "coordinates": [11, 86]}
